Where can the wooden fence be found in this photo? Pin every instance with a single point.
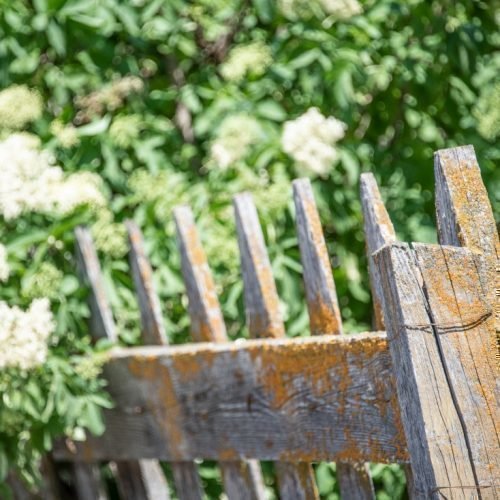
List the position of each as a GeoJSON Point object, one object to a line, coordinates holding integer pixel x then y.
{"type": "Point", "coordinates": [423, 394]}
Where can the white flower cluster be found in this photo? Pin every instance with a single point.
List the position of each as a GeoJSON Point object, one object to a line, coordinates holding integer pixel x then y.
{"type": "Point", "coordinates": [4, 265]}
{"type": "Point", "coordinates": [19, 106]}
{"type": "Point", "coordinates": [341, 9]}
{"type": "Point", "coordinates": [235, 135]}
{"type": "Point", "coordinates": [251, 59]}
{"type": "Point", "coordinates": [24, 334]}
{"type": "Point", "coordinates": [337, 9]}
{"type": "Point", "coordinates": [310, 140]}
{"type": "Point", "coordinates": [30, 182]}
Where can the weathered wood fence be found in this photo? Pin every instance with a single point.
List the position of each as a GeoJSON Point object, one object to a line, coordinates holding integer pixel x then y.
{"type": "Point", "coordinates": [423, 394]}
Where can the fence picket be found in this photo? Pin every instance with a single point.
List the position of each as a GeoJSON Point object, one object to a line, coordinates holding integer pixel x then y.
{"type": "Point", "coordinates": [438, 448]}
{"type": "Point", "coordinates": [242, 479]}
{"type": "Point", "coordinates": [324, 315]}
{"type": "Point", "coordinates": [295, 480]}
{"type": "Point", "coordinates": [465, 218]}
{"type": "Point", "coordinates": [186, 477]}
{"type": "Point", "coordinates": [379, 231]}
{"type": "Point", "coordinates": [103, 326]}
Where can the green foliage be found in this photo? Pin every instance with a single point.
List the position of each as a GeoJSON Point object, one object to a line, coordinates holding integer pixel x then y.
{"type": "Point", "coordinates": [171, 102]}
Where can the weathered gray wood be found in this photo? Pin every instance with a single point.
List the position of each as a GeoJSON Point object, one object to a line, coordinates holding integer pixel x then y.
{"type": "Point", "coordinates": [464, 325]}
{"type": "Point", "coordinates": [186, 477]}
{"type": "Point", "coordinates": [264, 320]}
{"type": "Point", "coordinates": [207, 323]}
{"type": "Point", "coordinates": [101, 323]}
{"type": "Point", "coordinates": [102, 326]}
{"type": "Point", "coordinates": [306, 399]}
{"type": "Point", "coordinates": [88, 483]}
{"type": "Point", "coordinates": [261, 298]}
{"type": "Point", "coordinates": [321, 295]}
{"type": "Point", "coordinates": [465, 218]}
{"type": "Point", "coordinates": [242, 480]}
{"type": "Point", "coordinates": [355, 481]}
{"type": "Point", "coordinates": [324, 314]}
{"type": "Point", "coordinates": [153, 328]}
{"type": "Point", "coordinates": [434, 430]}
{"type": "Point", "coordinates": [379, 231]}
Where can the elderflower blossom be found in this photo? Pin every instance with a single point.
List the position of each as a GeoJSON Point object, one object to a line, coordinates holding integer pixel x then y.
{"type": "Point", "coordinates": [303, 9]}
{"type": "Point", "coordinates": [234, 137]}
{"type": "Point", "coordinates": [110, 97]}
{"type": "Point", "coordinates": [341, 9]}
{"type": "Point", "coordinates": [109, 237]}
{"type": "Point", "coordinates": [125, 130]}
{"type": "Point", "coordinates": [310, 140]}
{"type": "Point", "coordinates": [19, 106]}
{"type": "Point", "coordinates": [252, 59]}
{"type": "Point", "coordinates": [44, 282]}
{"type": "Point", "coordinates": [66, 135]}
{"type": "Point", "coordinates": [24, 334]}
{"type": "Point", "coordinates": [30, 182]}
{"type": "Point", "coordinates": [4, 265]}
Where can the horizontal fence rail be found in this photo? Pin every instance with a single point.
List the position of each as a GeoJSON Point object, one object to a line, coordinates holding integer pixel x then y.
{"type": "Point", "coordinates": [318, 398]}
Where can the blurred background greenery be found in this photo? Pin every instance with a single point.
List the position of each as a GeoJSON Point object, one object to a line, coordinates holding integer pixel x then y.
{"type": "Point", "coordinates": [176, 101]}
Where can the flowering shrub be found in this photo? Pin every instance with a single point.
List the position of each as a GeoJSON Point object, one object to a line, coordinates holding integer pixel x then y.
{"type": "Point", "coordinates": [113, 109]}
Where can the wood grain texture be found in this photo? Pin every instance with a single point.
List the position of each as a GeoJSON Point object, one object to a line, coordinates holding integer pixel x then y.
{"type": "Point", "coordinates": [207, 323]}
{"type": "Point", "coordinates": [464, 325]}
{"type": "Point", "coordinates": [379, 231]}
{"type": "Point", "coordinates": [321, 295]}
{"type": "Point", "coordinates": [307, 399]}
{"type": "Point", "coordinates": [324, 315]}
{"type": "Point", "coordinates": [261, 298]}
{"type": "Point", "coordinates": [438, 448]}
{"type": "Point", "coordinates": [101, 323]}
{"type": "Point", "coordinates": [152, 325]}
{"type": "Point", "coordinates": [242, 480]}
{"type": "Point", "coordinates": [465, 218]}
{"type": "Point", "coordinates": [131, 476]}
{"type": "Point", "coordinates": [264, 320]}
{"type": "Point", "coordinates": [186, 477]}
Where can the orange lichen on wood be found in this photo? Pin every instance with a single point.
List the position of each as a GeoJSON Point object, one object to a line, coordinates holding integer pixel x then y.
{"type": "Point", "coordinates": [316, 398]}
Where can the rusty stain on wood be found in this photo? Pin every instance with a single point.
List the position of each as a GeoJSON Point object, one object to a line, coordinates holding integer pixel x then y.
{"type": "Point", "coordinates": [207, 323]}
{"type": "Point", "coordinates": [321, 295]}
{"type": "Point", "coordinates": [261, 298]}
{"type": "Point", "coordinates": [465, 218]}
{"type": "Point", "coordinates": [316, 398]}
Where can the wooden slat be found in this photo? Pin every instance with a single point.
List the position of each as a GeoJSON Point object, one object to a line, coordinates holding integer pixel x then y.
{"type": "Point", "coordinates": [465, 217]}
{"type": "Point", "coordinates": [379, 231]}
{"type": "Point", "coordinates": [88, 483]}
{"type": "Point", "coordinates": [457, 302]}
{"type": "Point", "coordinates": [293, 400]}
{"type": "Point", "coordinates": [102, 326]}
{"type": "Point", "coordinates": [186, 477]}
{"type": "Point", "coordinates": [242, 480]}
{"type": "Point", "coordinates": [264, 320]}
{"type": "Point", "coordinates": [324, 315]}
{"type": "Point", "coordinates": [433, 423]}
{"type": "Point", "coordinates": [321, 295]}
